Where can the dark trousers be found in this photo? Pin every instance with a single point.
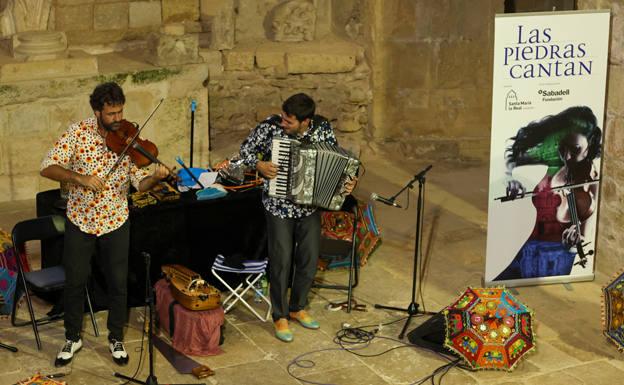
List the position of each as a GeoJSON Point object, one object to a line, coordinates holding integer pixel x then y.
{"type": "Point", "coordinates": [112, 250]}
{"type": "Point", "coordinates": [292, 241]}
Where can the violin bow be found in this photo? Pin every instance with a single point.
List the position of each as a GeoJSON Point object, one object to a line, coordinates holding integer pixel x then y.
{"type": "Point", "coordinates": [563, 187]}
{"type": "Point", "coordinates": [131, 142]}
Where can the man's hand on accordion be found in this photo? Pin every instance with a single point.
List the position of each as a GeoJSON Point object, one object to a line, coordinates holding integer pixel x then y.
{"type": "Point", "coordinates": [267, 169]}
{"type": "Point", "coordinates": [349, 185]}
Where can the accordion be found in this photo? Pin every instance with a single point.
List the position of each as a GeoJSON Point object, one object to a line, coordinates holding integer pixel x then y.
{"type": "Point", "coordinates": [311, 174]}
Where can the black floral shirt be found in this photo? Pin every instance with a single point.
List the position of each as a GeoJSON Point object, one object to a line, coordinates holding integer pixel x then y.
{"type": "Point", "coordinates": [257, 146]}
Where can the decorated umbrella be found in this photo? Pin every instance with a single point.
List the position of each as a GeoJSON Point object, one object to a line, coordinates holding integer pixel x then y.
{"type": "Point", "coordinates": [489, 328]}
{"type": "Point", "coordinates": [613, 311]}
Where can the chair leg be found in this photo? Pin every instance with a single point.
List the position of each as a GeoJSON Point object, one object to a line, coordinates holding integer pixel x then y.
{"type": "Point", "coordinates": [250, 285]}
{"type": "Point", "coordinates": [229, 302]}
{"type": "Point", "coordinates": [93, 320]}
{"type": "Point", "coordinates": [238, 294]}
{"type": "Point", "coordinates": [16, 298]}
{"type": "Point", "coordinates": [33, 320]}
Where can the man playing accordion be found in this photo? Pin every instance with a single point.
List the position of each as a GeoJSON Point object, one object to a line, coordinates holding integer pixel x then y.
{"type": "Point", "coordinates": [289, 223]}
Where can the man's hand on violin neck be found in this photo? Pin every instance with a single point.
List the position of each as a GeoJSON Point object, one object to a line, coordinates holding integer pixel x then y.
{"type": "Point", "coordinates": [160, 172]}
{"type": "Point", "coordinates": [90, 181]}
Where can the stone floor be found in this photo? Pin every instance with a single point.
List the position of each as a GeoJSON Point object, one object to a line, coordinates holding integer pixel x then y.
{"type": "Point", "coordinates": [570, 346]}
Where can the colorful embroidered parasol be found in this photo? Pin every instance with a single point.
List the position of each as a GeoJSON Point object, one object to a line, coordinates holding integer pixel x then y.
{"type": "Point", "coordinates": [613, 311]}
{"type": "Point", "coordinates": [489, 328]}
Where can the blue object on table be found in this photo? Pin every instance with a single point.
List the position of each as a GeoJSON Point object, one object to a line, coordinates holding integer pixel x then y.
{"type": "Point", "coordinates": [185, 177]}
{"type": "Point", "coordinates": [209, 193]}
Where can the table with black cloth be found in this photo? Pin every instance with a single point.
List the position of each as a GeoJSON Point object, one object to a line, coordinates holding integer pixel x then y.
{"type": "Point", "coordinates": [186, 231]}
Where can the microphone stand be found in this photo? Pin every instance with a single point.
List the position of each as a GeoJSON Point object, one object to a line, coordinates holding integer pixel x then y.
{"type": "Point", "coordinates": [193, 106]}
{"type": "Point", "coordinates": [8, 347]}
{"type": "Point", "coordinates": [149, 300]}
{"type": "Point", "coordinates": [413, 307]}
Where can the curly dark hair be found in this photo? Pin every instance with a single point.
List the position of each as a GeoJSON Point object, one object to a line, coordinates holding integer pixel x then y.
{"type": "Point", "coordinates": [106, 93]}
{"type": "Point", "coordinates": [548, 132]}
{"type": "Point", "coordinates": [300, 105]}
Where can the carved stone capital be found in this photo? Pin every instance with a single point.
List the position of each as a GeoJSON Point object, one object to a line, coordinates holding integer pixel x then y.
{"type": "Point", "coordinates": [293, 20]}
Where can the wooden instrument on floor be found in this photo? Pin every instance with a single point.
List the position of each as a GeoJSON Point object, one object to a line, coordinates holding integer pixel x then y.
{"type": "Point", "coordinates": [190, 290]}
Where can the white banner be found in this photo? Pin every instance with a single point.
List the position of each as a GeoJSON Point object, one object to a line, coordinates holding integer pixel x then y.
{"type": "Point", "coordinates": [547, 122]}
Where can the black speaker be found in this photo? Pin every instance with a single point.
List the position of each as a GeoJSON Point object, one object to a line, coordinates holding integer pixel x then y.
{"type": "Point", "coordinates": [431, 334]}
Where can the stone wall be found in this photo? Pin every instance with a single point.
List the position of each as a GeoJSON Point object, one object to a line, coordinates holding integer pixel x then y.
{"type": "Point", "coordinates": [610, 242]}
{"type": "Point", "coordinates": [432, 74]}
{"type": "Point", "coordinates": [254, 72]}
{"type": "Point", "coordinates": [256, 79]}
{"type": "Point", "coordinates": [91, 22]}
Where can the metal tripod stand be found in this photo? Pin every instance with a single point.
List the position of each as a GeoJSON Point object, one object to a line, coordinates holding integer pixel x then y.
{"type": "Point", "coordinates": [413, 308]}
{"type": "Point", "coordinates": [151, 378]}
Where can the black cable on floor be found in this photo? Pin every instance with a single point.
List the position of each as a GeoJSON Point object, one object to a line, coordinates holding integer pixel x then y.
{"type": "Point", "coordinates": [140, 364]}
{"type": "Point", "coordinates": [351, 339]}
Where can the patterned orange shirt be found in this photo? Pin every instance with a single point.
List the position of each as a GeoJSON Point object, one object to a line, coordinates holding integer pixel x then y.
{"type": "Point", "coordinates": [83, 150]}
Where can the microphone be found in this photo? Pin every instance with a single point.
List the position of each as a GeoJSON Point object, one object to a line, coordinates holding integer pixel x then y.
{"type": "Point", "coordinates": [421, 174]}
{"type": "Point", "coordinates": [389, 202]}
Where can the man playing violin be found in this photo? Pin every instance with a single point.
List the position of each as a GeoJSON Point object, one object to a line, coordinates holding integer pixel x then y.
{"type": "Point", "coordinates": [97, 214]}
{"type": "Point", "coordinates": [294, 230]}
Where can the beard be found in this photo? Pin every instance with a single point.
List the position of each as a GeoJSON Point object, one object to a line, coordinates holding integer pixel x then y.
{"type": "Point", "coordinates": [109, 127]}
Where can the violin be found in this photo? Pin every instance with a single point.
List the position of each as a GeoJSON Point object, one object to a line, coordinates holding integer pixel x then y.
{"type": "Point", "coordinates": [125, 141]}
{"type": "Point", "coordinates": [125, 138]}
{"type": "Point", "coordinates": [578, 206]}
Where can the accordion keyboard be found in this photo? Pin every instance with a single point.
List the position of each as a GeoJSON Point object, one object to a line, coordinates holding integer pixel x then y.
{"type": "Point", "coordinates": [280, 155]}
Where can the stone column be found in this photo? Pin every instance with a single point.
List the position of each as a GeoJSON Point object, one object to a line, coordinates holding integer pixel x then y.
{"type": "Point", "coordinates": [39, 45]}
{"type": "Point", "coordinates": [217, 16]}
{"type": "Point", "coordinates": [24, 15]}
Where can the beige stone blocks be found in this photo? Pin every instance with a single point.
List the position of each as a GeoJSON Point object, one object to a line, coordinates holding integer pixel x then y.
{"type": "Point", "coordinates": [74, 2]}
{"type": "Point", "coordinates": [238, 60]}
{"type": "Point", "coordinates": [49, 69]}
{"type": "Point", "coordinates": [214, 60]}
{"type": "Point", "coordinates": [615, 96]}
{"type": "Point", "coordinates": [218, 17]}
{"type": "Point", "coordinates": [614, 137]}
{"type": "Point", "coordinates": [74, 17]}
{"type": "Point", "coordinates": [180, 10]}
{"type": "Point", "coordinates": [173, 29]}
{"type": "Point", "coordinates": [110, 16]}
{"type": "Point", "coordinates": [316, 62]}
{"type": "Point", "coordinates": [107, 37]}
{"type": "Point", "coordinates": [145, 14]}
{"type": "Point", "coordinates": [267, 59]}
{"type": "Point", "coordinates": [168, 49]}
{"type": "Point", "coordinates": [454, 71]}
{"type": "Point", "coordinates": [210, 8]}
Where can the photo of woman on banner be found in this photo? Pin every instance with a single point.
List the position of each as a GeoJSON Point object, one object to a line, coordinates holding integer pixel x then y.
{"type": "Point", "coordinates": [565, 199]}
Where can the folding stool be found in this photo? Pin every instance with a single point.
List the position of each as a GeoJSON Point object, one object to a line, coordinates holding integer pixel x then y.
{"type": "Point", "coordinates": [253, 271]}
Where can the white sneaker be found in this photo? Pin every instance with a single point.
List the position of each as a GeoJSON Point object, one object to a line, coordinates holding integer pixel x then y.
{"type": "Point", "coordinates": [66, 354]}
{"type": "Point", "coordinates": [117, 349]}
